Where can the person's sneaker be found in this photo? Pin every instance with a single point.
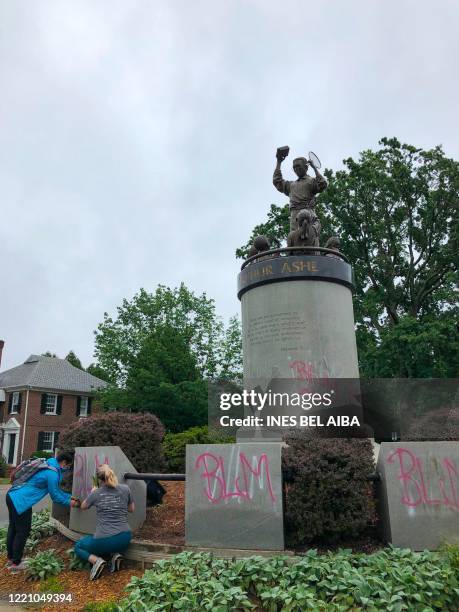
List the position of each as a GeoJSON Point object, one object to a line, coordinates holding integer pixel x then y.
{"type": "Point", "coordinates": [97, 569]}
{"type": "Point", "coordinates": [17, 567]}
{"type": "Point", "coordinates": [115, 562]}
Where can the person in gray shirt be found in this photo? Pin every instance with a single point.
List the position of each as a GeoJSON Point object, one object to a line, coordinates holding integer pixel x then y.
{"type": "Point", "coordinates": [112, 502]}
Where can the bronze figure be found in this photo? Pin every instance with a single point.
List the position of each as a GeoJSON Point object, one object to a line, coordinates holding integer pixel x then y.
{"type": "Point", "coordinates": [308, 230]}
{"type": "Point", "coordinates": [301, 192]}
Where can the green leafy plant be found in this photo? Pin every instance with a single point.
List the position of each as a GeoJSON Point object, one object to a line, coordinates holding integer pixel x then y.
{"type": "Point", "coordinates": [3, 534]}
{"type": "Point", "coordinates": [391, 579]}
{"type": "Point", "coordinates": [44, 565]}
{"type": "Point", "coordinates": [75, 562]}
{"type": "Point", "coordinates": [42, 454]}
{"type": "Point", "coordinates": [104, 606]}
{"type": "Point", "coordinates": [41, 527]}
{"type": "Point", "coordinates": [51, 585]}
{"type": "Point", "coordinates": [451, 552]}
{"type": "Point", "coordinates": [174, 445]}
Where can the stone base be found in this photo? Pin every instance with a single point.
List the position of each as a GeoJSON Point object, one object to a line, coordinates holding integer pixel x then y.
{"type": "Point", "coordinates": [233, 496]}
{"type": "Point", "coordinates": [418, 494]}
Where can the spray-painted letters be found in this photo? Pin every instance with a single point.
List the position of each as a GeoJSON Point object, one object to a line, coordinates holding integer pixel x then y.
{"type": "Point", "coordinates": [247, 474]}
{"type": "Point", "coordinates": [83, 473]}
{"type": "Point", "coordinates": [433, 482]}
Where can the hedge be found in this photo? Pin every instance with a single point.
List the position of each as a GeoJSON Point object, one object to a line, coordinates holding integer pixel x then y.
{"type": "Point", "coordinates": [328, 495]}
{"type": "Point", "coordinates": [175, 444]}
{"type": "Point", "coordinates": [139, 436]}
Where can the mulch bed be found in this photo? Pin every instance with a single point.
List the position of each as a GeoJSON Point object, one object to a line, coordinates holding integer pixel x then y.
{"type": "Point", "coordinates": [165, 523]}
{"type": "Point", "coordinates": [110, 587]}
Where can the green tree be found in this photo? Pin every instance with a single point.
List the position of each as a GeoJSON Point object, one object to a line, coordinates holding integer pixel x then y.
{"type": "Point", "coordinates": [396, 212]}
{"type": "Point", "coordinates": [49, 354]}
{"type": "Point", "coordinates": [119, 340]}
{"type": "Point", "coordinates": [230, 357]}
{"type": "Point", "coordinates": [162, 351]}
{"type": "Point", "coordinates": [165, 380]}
{"type": "Point", "coordinates": [73, 359]}
{"type": "Point", "coordinates": [96, 370]}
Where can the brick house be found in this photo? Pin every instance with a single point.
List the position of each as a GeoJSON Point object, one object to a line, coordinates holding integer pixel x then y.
{"type": "Point", "coordinates": [38, 399]}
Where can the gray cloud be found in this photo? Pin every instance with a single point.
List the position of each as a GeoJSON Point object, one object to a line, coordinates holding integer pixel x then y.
{"type": "Point", "coordinates": [138, 138]}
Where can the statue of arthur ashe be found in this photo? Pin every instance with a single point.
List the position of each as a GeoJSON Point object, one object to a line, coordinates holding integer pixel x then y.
{"type": "Point", "coordinates": [302, 192]}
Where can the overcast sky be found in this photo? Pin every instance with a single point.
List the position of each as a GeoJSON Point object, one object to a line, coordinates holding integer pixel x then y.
{"type": "Point", "coordinates": [138, 137]}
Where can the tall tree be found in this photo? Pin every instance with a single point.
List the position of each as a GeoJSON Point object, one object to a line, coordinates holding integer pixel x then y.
{"type": "Point", "coordinates": [74, 360]}
{"type": "Point", "coordinates": [396, 212]}
{"type": "Point", "coordinates": [164, 379]}
{"type": "Point", "coordinates": [119, 340]}
{"type": "Point", "coordinates": [162, 351]}
{"type": "Point", "coordinates": [98, 371]}
{"type": "Point", "coordinates": [230, 359]}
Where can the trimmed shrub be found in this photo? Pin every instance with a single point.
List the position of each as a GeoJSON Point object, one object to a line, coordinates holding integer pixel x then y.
{"type": "Point", "coordinates": [174, 445]}
{"type": "Point", "coordinates": [42, 454]}
{"type": "Point", "coordinates": [3, 467]}
{"type": "Point", "coordinates": [328, 495]}
{"type": "Point", "coordinates": [139, 436]}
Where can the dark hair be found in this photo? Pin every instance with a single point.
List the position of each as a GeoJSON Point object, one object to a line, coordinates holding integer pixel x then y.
{"type": "Point", "coordinates": [65, 456]}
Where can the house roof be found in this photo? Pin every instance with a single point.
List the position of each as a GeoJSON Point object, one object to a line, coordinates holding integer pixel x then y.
{"type": "Point", "coordinates": [51, 373]}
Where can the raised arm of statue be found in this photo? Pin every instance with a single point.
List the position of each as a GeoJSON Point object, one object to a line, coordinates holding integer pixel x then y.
{"type": "Point", "coordinates": [320, 183]}
{"type": "Point", "coordinates": [278, 180]}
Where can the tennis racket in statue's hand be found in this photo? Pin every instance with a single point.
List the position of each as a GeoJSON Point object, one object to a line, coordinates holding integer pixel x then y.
{"type": "Point", "coordinates": [314, 160]}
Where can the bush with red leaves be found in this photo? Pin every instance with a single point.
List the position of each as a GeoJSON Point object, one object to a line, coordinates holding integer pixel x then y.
{"type": "Point", "coordinates": [328, 495]}
{"type": "Point", "coordinates": [140, 437]}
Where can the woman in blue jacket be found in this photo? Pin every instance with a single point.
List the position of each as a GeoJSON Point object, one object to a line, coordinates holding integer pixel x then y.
{"type": "Point", "coordinates": [21, 498]}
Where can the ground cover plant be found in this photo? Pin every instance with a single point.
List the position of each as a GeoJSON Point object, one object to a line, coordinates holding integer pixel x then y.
{"type": "Point", "coordinates": [75, 562]}
{"type": "Point", "coordinates": [41, 527]}
{"type": "Point", "coordinates": [390, 579]}
{"type": "Point", "coordinates": [44, 565]}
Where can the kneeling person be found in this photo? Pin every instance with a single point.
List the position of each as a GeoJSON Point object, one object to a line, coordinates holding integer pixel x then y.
{"type": "Point", "coordinates": [112, 502]}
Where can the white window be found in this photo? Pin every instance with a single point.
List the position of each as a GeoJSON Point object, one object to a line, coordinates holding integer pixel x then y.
{"type": "Point", "coordinates": [48, 440]}
{"type": "Point", "coordinates": [83, 406]}
{"type": "Point", "coordinates": [15, 403]}
{"type": "Point", "coordinates": [51, 404]}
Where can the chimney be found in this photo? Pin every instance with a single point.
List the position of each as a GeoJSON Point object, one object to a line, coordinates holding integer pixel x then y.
{"type": "Point", "coordinates": [2, 344]}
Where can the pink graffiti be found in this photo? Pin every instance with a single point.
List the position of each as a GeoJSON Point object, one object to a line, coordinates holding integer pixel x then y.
{"type": "Point", "coordinates": [416, 485]}
{"type": "Point", "coordinates": [308, 373]}
{"type": "Point", "coordinates": [83, 474]}
{"type": "Point", "coordinates": [217, 486]}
